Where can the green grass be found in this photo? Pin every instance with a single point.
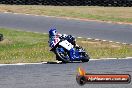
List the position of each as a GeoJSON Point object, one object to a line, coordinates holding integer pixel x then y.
{"type": "Point", "coordinates": [114, 14]}
{"type": "Point", "coordinates": [18, 47]}
{"type": "Point", "coordinates": [100, 49]}
{"type": "Point", "coordinates": [22, 47]}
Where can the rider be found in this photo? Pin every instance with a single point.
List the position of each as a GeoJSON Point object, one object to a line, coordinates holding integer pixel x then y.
{"type": "Point", "coordinates": [53, 34]}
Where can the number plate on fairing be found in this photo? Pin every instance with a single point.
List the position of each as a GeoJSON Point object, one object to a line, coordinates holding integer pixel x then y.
{"type": "Point", "coordinates": [66, 45]}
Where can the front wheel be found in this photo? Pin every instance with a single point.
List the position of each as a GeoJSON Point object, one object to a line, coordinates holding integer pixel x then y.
{"type": "Point", "coordinates": [86, 58]}
{"type": "Point", "coordinates": [84, 54]}
{"type": "Point", "coordinates": [62, 55]}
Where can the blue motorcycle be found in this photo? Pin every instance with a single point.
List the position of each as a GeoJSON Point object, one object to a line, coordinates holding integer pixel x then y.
{"type": "Point", "coordinates": [67, 52]}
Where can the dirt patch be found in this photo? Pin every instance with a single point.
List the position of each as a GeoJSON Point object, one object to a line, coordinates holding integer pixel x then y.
{"type": "Point", "coordinates": [6, 41]}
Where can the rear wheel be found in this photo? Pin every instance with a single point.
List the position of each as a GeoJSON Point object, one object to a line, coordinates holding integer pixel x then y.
{"type": "Point", "coordinates": [62, 55]}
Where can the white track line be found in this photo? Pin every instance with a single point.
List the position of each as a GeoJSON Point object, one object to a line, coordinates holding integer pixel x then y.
{"type": "Point", "coordinates": [19, 64]}
{"type": "Point", "coordinates": [89, 38]}
{"type": "Point", "coordinates": [104, 40]}
{"type": "Point", "coordinates": [117, 42]}
{"type": "Point", "coordinates": [97, 39]}
{"type": "Point", "coordinates": [57, 62]}
{"type": "Point", "coordinates": [36, 32]}
{"type": "Point", "coordinates": [79, 37]}
{"type": "Point", "coordinates": [27, 14]}
{"type": "Point", "coordinates": [128, 57]}
{"type": "Point", "coordinates": [110, 41]}
{"type": "Point", "coordinates": [45, 33]}
{"type": "Point", "coordinates": [124, 43]}
{"type": "Point", "coordinates": [111, 58]}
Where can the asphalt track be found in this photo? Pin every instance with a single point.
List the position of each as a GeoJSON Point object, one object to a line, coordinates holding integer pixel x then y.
{"type": "Point", "coordinates": [61, 75]}
{"type": "Point", "coordinates": [64, 75]}
{"type": "Point", "coordinates": [100, 30]}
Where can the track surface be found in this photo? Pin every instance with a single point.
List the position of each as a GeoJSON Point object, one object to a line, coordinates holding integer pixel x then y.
{"type": "Point", "coordinates": [114, 32]}
{"type": "Point", "coordinates": [61, 75]}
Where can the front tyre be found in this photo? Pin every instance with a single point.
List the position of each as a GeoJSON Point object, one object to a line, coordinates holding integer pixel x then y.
{"type": "Point", "coordinates": [84, 54]}
{"type": "Point", "coordinates": [86, 58]}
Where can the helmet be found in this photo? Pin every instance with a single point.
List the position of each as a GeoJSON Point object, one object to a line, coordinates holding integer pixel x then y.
{"type": "Point", "coordinates": [52, 32]}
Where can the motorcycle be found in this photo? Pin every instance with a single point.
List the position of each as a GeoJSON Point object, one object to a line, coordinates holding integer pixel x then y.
{"type": "Point", "coordinates": [67, 52]}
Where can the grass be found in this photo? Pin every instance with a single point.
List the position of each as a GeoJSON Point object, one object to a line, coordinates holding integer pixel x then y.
{"type": "Point", "coordinates": [100, 49]}
{"type": "Point", "coordinates": [22, 47]}
{"type": "Point", "coordinates": [18, 47]}
{"type": "Point", "coordinates": [114, 14]}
